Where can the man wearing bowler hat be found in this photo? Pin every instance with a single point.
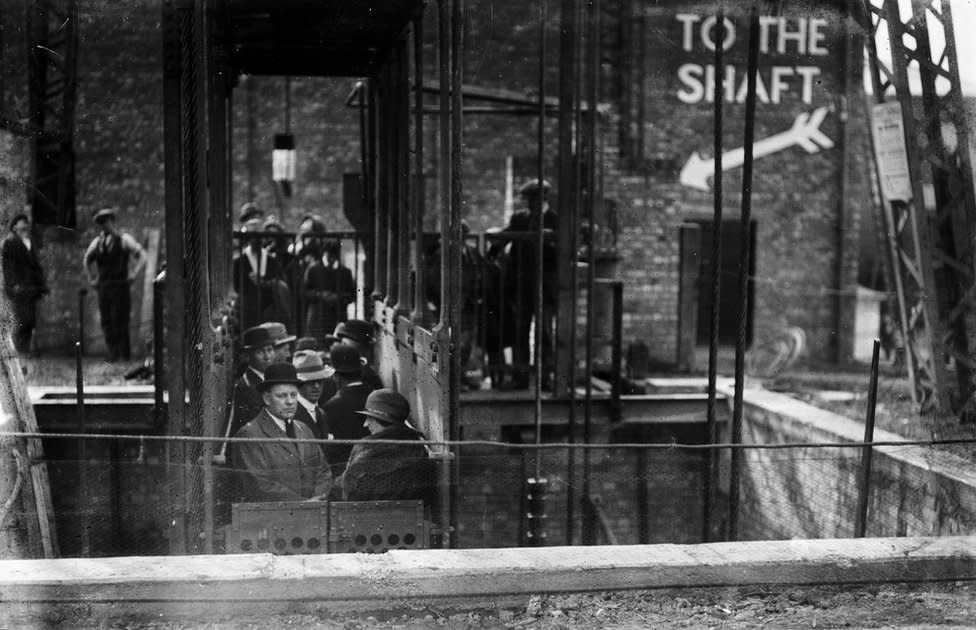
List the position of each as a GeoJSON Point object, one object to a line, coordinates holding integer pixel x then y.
{"type": "Point", "coordinates": [312, 373]}
{"type": "Point", "coordinates": [383, 472]}
{"type": "Point", "coordinates": [258, 348]}
{"type": "Point", "coordinates": [358, 334]}
{"type": "Point", "coordinates": [282, 469]}
{"type": "Point", "coordinates": [112, 261]}
{"type": "Point", "coordinates": [350, 397]}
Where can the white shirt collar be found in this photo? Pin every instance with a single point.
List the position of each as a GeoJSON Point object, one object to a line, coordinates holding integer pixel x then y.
{"type": "Point", "coordinates": [27, 242]}
{"type": "Point", "coordinates": [259, 373]}
{"type": "Point", "coordinates": [282, 424]}
{"type": "Point", "coordinates": [309, 405]}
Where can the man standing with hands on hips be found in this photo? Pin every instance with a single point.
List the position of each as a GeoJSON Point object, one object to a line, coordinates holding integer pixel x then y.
{"type": "Point", "coordinates": [113, 261]}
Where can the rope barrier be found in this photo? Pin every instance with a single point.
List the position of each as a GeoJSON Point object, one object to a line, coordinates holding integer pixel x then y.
{"type": "Point", "coordinates": [489, 443]}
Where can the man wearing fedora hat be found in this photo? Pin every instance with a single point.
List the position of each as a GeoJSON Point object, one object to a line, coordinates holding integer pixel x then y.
{"type": "Point", "coordinates": [350, 397]}
{"type": "Point", "coordinates": [258, 347]}
{"type": "Point", "coordinates": [256, 272]}
{"type": "Point", "coordinates": [386, 472]}
{"type": "Point", "coordinates": [312, 372]}
{"type": "Point", "coordinates": [281, 339]}
{"type": "Point", "coordinates": [112, 261]}
{"type": "Point", "coordinates": [282, 469]}
{"type": "Point", "coordinates": [23, 279]}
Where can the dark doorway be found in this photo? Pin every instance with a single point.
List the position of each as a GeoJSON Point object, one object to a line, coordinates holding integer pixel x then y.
{"type": "Point", "coordinates": [733, 239]}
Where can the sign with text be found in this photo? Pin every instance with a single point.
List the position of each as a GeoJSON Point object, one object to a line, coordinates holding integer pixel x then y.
{"type": "Point", "coordinates": [888, 130]}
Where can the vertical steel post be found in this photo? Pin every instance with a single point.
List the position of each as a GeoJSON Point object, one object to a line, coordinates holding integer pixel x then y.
{"type": "Point", "coordinates": [716, 288]}
{"type": "Point", "coordinates": [864, 485]}
{"type": "Point", "coordinates": [378, 146]}
{"type": "Point", "coordinates": [419, 314]}
{"type": "Point", "coordinates": [81, 319]}
{"type": "Point", "coordinates": [540, 240]}
{"type": "Point", "coordinates": [454, 247]}
{"type": "Point", "coordinates": [593, 40]}
{"type": "Point", "coordinates": [746, 218]}
{"type": "Point", "coordinates": [404, 207]}
{"type": "Point", "coordinates": [159, 343]}
{"type": "Point", "coordinates": [83, 503]}
{"type": "Point", "coordinates": [617, 351]}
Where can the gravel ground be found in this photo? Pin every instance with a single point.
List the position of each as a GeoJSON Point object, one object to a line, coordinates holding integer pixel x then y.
{"type": "Point", "coordinates": [889, 606]}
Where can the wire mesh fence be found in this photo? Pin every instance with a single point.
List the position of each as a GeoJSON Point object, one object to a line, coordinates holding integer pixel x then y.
{"type": "Point", "coordinates": [119, 498]}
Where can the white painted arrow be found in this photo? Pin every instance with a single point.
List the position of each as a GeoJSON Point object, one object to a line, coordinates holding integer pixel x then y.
{"type": "Point", "coordinates": [804, 133]}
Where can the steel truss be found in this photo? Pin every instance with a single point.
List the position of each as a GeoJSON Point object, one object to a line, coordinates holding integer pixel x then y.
{"type": "Point", "coordinates": [931, 254]}
{"type": "Point", "coordinates": [52, 78]}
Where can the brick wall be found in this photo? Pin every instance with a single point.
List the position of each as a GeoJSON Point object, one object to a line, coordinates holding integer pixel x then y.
{"type": "Point", "coordinates": [813, 493]}
{"type": "Point", "coordinates": [797, 205]}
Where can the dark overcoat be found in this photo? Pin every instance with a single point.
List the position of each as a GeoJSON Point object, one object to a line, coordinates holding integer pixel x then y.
{"type": "Point", "coordinates": [389, 472]}
{"type": "Point", "coordinates": [285, 470]}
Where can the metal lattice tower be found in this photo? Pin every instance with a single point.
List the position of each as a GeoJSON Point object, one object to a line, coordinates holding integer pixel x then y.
{"type": "Point", "coordinates": [931, 252]}
{"type": "Point", "coordinates": [52, 78]}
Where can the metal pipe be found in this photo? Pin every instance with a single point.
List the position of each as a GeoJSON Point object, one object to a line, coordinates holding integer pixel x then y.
{"type": "Point", "coordinates": [594, 94]}
{"type": "Point", "coordinates": [864, 485]}
{"type": "Point", "coordinates": [540, 237]}
{"type": "Point", "coordinates": [457, 161]}
{"type": "Point", "coordinates": [82, 453]}
{"type": "Point", "coordinates": [380, 95]}
{"type": "Point", "coordinates": [616, 351]}
{"type": "Point", "coordinates": [159, 342]}
{"type": "Point", "coordinates": [746, 217]}
{"type": "Point", "coordinates": [716, 288]}
{"type": "Point", "coordinates": [419, 314]}
{"type": "Point", "coordinates": [81, 319]}
{"type": "Point", "coordinates": [404, 207]}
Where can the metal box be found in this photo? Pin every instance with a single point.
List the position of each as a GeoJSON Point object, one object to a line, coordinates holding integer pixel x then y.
{"type": "Point", "coordinates": [280, 527]}
{"type": "Point", "coordinates": [377, 526]}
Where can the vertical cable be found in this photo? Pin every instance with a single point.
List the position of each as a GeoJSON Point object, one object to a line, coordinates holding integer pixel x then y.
{"type": "Point", "coordinates": [740, 341]}
{"type": "Point", "coordinates": [716, 290]}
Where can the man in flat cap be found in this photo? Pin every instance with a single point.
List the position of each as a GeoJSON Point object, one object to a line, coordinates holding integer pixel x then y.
{"type": "Point", "coordinates": [23, 279]}
{"type": "Point", "coordinates": [387, 472]}
{"type": "Point", "coordinates": [282, 469]}
{"type": "Point", "coordinates": [112, 261]}
{"type": "Point", "coordinates": [520, 281]}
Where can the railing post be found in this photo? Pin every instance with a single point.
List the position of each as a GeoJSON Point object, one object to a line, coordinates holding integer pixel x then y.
{"type": "Point", "coordinates": [83, 503]}
{"type": "Point", "coordinates": [864, 487]}
{"type": "Point", "coordinates": [616, 352]}
{"type": "Point", "coordinates": [81, 320]}
{"type": "Point", "coordinates": [159, 360]}
{"type": "Point", "coordinates": [535, 514]}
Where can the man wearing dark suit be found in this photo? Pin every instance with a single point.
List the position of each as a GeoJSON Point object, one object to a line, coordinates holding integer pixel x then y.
{"type": "Point", "coordinates": [258, 347]}
{"type": "Point", "coordinates": [329, 289]}
{"type": "Point", "coordinates": [350, 397]}
{"type": "Point", "coordinates": [388, 472]}
{"type": "Point", "coordinates": [256, 271]}
{"type": "Point", "coordinates": [312, 373]}
{"type": "Point", "coordinates": [23, 280]}
{"type": "Point", "coordinates": [282, 470]}
{"type": "Point", "coordinates": [359, 335]}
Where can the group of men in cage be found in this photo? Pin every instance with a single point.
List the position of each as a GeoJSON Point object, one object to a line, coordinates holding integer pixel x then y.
{"type": "Point", "coordinates": [294, 391]}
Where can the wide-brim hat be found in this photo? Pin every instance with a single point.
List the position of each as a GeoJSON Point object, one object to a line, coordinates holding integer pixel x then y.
{"type": "Point", "coordinates": [308, 343]}
{"type": "Point", "coordinates": [20, 216]}
{"type": "Point", "coordinates": [358, 330]}
{"type": "Point", "coordinates": [103, 214]}
{"type": "Point", "coordinates": [249, 211]}
{"type": "Point", "coordinates": [345, 359]}
{"type": "Point", "coordinates": [279, 374]}
{"type": "Point", "coordinates": [279, 333]}
{"type": "Point", "coordinates": [388, 406]}
{"type": "Point", "coordinates": [309, 367]}
{"type": "Point", "coordinates": [256, 337]}
{"type": "Point", "coordinates": [531, 188]}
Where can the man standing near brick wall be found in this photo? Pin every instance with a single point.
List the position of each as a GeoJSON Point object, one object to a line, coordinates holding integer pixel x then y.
{"type": "Point", "coordinates": [112, 262]}
{"type": "Point", "coordinates": [23, 280]}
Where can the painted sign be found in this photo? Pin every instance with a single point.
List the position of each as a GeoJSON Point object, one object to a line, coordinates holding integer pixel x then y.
{"type": "Point", "coordinates": [805, 133]}
{"type": "Point", "coordinates": [789, 49]}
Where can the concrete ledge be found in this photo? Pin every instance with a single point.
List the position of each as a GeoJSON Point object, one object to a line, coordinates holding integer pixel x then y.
{"type": "Point", "coordinates": [408, 575]}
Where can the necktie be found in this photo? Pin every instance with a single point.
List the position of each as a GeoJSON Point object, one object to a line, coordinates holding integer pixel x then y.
{"type": "Point", "coordinates": [290, 428]}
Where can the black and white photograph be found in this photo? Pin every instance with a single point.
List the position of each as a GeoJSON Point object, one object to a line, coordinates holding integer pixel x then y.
{"type": "Point", "coordinates": [487, 314]}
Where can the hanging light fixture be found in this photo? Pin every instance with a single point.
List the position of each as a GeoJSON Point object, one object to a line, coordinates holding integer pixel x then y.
{"type": "Point", "coordinates": [283, 160]}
